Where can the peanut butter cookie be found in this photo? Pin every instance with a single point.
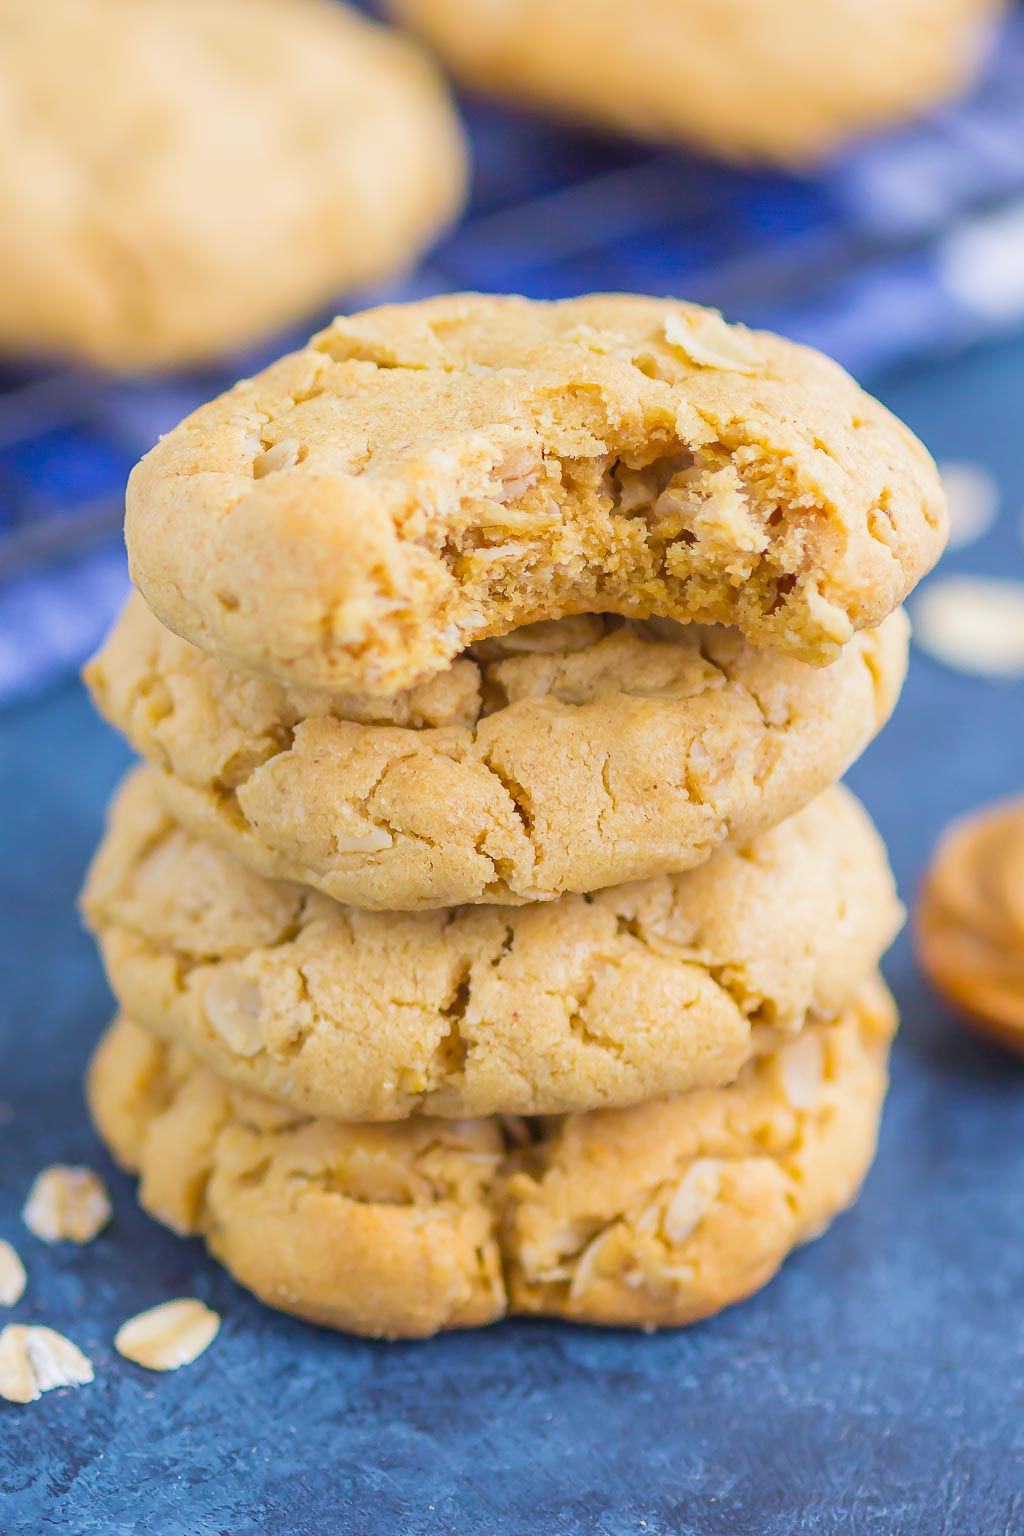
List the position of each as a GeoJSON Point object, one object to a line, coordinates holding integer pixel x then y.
{"type": "Point", "coordinates": [567, 756]}
{"type": "Point", "coordinates": [969, 924]}
{"type": "Point", "coordinates": [652, 1216]}
{"type": "Point", "coordinates": [771, 80]}
{"type": "Point", "coordinates": [425, 476]}
{"type": "Point", "coordinates": [585, 1002]}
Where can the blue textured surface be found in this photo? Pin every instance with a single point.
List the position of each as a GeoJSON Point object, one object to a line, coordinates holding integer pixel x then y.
{"type": "Point", "coordinates": [875, 1387]}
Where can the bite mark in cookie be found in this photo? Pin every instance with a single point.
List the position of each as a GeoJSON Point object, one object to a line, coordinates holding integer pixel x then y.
{"type": "Point", "coordinates": [463, 466]}
{"type": "Point", "coordinates": [567, 756]}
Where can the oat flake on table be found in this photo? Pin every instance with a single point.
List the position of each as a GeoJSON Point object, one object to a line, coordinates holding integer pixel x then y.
{"type": "Point", "coordinates": [67, 1204]}
{"type": "Point", "coordinates": [973, 498]}
{"type": "Point", "coordinates": [37, 1360]}
{"type": "Point", "coordinates": [169, 1335]}
{"type": "Point", "coordinates": [974, 624]}
{"type": "Point", "coordinates": [12, 1275]}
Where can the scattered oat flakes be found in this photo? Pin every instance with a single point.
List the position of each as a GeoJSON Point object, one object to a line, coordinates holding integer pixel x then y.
{"type": "Point", "coordinates": [35, 1360]}
{"type": "Point", "coordinates": [12, 1276]}
{"type": "Point", "coordinates": [173, 1334]}
{"type": "Point", "coordinates": [67, 1204]}
{"type": "Point", "coordinates": [973, 623]}
{"type": "Point", "coordinates": [973, 498]}
{"type": "Point", "coordinates": [710, 342]}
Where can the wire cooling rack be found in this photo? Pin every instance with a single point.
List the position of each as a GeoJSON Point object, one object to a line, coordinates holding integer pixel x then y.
{"type": "Point", "coordinates": [912, 242]}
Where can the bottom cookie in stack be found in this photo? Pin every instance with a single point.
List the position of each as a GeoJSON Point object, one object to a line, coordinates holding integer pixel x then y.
{"type": "Point", "coordinates": [654, 1215]}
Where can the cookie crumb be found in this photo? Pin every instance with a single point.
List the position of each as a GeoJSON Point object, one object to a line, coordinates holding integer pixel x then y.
{"type": "Point", "coordinates": [13, 1279]}
{"type": "Point", "coordinates": [67, 1204]}
{"type": "Point", "coordinates": [169, 1335]}
{"type": "Point", "coordinates": [35, 1360]}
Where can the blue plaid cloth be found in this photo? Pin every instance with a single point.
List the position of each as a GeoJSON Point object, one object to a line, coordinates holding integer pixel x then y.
{"type": "Point", "coordinates": [910, 243]}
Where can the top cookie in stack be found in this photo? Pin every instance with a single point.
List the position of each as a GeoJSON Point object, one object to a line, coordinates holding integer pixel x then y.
{"type": "Point", "coordinates": [477, 604]}
{"type": "Point", "coordinates": [424, 477]}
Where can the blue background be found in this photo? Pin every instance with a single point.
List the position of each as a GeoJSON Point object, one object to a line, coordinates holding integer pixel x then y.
{"type": "Point", "coordinates": [876, 1386]}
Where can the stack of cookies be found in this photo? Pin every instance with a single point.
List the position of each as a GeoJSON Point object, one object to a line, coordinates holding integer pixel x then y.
{"type": "Point", "coordinates": [489, 933]}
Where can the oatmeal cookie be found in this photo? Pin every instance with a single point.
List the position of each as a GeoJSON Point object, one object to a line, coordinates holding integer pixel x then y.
{"type": "Point", "coordinates": [651, 1216]}
{"type": "Point", "coordinates": [425, 476]}
{"type": "Point", "coordinates": [586, 1002]}
{"type": "Point", "coordinates": [567, 756]}
{"type": "Point", "coordinates": [783, 81]}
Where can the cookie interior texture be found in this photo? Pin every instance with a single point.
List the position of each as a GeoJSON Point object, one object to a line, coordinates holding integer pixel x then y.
{"type": "Point", "coordinates": [193, 174]}
{"type": "Point", "coordinates": [651, 1216]}
{"type": "Point", "coordinates": [570, 755]}
{"type": "Point", "coordinates": [632, 993]}
{"type": "Point", "coordinates": [421, 477]}
{"type": "Point", "coordinates": [775, 80]}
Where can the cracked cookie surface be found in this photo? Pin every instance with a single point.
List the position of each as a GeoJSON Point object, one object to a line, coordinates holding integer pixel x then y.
{"type": "Point", "coordinates": [652, 1216]}
{"type": "Point", "coordinates": [784, 81]}
{"type": "Point", "coordinates": [252, 158]}
{"type": "Point", "coordinates": [422, 477]}
{"type": "Point", "coordinates": [567, 756]}
{"type": "Point", "coordinates": [638, 991]}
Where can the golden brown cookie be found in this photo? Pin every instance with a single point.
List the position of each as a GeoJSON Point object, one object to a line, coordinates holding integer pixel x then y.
{"type": "Point", "coordinates": [190, 175]}
{"type": "Point", "coordinates": [969, 923]}
{"type": "Point", "coordinates": [567, 756]}
{"type": "Point", "coordinates": [425, 476]}
{"type": "Point", "coordinates": [588, 1001]}
{"type": "Point", "coordinates": [652, 1216]}
{"type": "Point", "coordinates": [775, 80]}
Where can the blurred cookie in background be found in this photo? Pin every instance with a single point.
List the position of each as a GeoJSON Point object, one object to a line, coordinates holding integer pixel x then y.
{"type": "Point", "coordinates": [187, 176]}
{"type": "Point", "coordinates": [760, 80]}
{"type": "Point", "coordinates": [969, 925]}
